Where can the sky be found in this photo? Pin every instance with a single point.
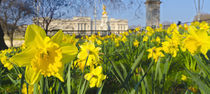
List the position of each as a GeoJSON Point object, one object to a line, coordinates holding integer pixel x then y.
{"type": "Point", "coordinates": [170, 11]}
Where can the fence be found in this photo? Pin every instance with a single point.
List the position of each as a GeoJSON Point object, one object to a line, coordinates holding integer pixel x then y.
{"type": "Point", "coordinates": [88, 32]}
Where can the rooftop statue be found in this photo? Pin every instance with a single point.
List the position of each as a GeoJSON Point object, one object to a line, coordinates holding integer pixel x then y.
{"type": "Point", "coordinates": [104, 12]}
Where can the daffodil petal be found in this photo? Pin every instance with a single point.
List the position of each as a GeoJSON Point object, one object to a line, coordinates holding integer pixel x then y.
{"type": "Point", "coordinates": [93, 82]}
{"type": "Point", "coordinates": [23, 58]}
{"type": "Point", "coordinates": [69, 53]}
{"type": "Point", "coordinates": [59, 75]}
{"type": "Point", "coordinates": [34, 36]}
{"type": "Point", "coordinates": [32, 76]}
{"type": "Point", "coordinates": [98, 70]}
{"type": "Point", "coordinates": [58, 37]}
{"type": "Point", "coordinates": [88, 76]}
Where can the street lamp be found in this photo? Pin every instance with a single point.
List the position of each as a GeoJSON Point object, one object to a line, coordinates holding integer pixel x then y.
{"type": "Point", "coordinates": [95, 15]}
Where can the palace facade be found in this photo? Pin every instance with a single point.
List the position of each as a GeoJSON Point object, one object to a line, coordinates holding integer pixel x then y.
{"type": "Point", "coordinates": [86, 25]}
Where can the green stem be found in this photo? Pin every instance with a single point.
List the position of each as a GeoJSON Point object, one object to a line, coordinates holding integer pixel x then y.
{"type": "Point", "coordinates": [42, 84]}
{"type": "Point", "coordinates": [80, 83]}
{"type": "Point", "coordinates": [142, 78]}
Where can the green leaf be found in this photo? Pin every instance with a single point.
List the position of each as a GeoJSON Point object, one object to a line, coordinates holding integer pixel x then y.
{"type": "Point", "coordinates": [118, 79]}
{"type": "Point", "coordinates": [145, 80]}
{"type": "Point", "coordinates": [13, 81]}
{"type": "Point", "coordinates": [142, 77]}
{"type": "Point", "coordinates": [116, 69]}
{"type": "Point", "coordinates": [137, 62]}
{"type": "Point", "coordinates": [167, 66]}
{"type": "Point", "coordinates": [157, 69]}
{"type": "Point", "coordinates": [36, 91]}
{"type": "Point", "coordinates": [125, 73]}
{"type": "Point", "coordinates": [84, 87]}
{"type": "Point", "coordinates": [202, 65]}
{"type": "Point", "coordinates": [101, 88]}
{"type": "Point", "coordinates": [143, 88]}
{"type": "Point", "coordinates": [133, 67]}
{"type": "Point", "coordinates": [202, 86]}
{"type": "Point", "coordinates": [69, 79]}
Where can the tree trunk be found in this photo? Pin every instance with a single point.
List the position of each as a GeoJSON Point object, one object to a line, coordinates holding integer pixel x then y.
{"type": "Point", "coordinates": [46, 29]}
{"type": "Point", "coordinates": [2, 43]}
{"type": "Point", "coordinates": [11, 39]}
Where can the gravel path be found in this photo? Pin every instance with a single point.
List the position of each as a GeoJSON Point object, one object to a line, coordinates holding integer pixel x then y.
{"type": "Point", "coordinates": [16, 43]}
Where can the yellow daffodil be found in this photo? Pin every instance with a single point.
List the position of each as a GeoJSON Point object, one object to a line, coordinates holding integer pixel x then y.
{"type": "Point", "coordinates": [117, 44]}
{"type": "Point", "coordinates": [172, 29]}
{"type": "Point", "coordinates": [159, 29]}
{"type": "Point", "coordinates": [150, 31]}
{"type": "Point", "coordinates": [95, 77]}
{"type": "Point", "coordinates": [130, 31]}
{"type": "Point", "coordinates": [136, 43]}
{"type": "Point", "coordinates": [155, 53]}
{"type": "Point", "coordinates": [196, 24]}
{"type": "Point", "coordinates": [70, 39]}
{"type": "Point", "coordinates": [124, 39]}
{"type": "Point", "coordinates": [204, 26]}
{"type": "Point", "coordinates": [198, 40]}
{"type": "Point", "coordinates": [125, 34]}
{"type": "Point", "coordinates": [99, 33]}
{"type": "Point", "coordinates": [5, 55]}
{"type": "Point", "coordinates": [98, 42]}
{"type": "Point", "coordinates": [170, 46]}
{"type": "Point", "coordinates": [143, 33]}
{"type": "Point", "coordinates": [116, 41]}
{"type": "Point", "coordinates": [30, 89]}
{"type": "Point", "coordinates": [193, 89]}
{"type": "Point", "coordinates": [19, 76]}
{"type": "Point", "coordinates": [137, 29]}
{"type": "Point", "coordinates": [88, 50]}
{"type": "Point", "coordinates": [145, 39]}
{"type": "Point", "coordinates": [43, 55]}
{"type": "Point", "coordinates": [184, 78]}
{"type": "Point", "coordinates": [92, 38]}
{"type": "Point", "coordinates": [157, 39]}
{"type": "Point", "coordinates": [185, 26]}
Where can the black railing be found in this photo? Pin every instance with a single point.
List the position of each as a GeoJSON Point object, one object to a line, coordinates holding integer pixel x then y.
{"type": "Point", "coordinates": [88, 32]}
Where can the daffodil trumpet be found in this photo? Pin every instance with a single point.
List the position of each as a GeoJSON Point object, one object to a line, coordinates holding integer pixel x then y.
{"type": "Point", "coordinates": [44, 55]}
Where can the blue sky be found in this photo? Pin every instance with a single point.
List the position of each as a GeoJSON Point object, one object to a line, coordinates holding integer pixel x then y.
{"type": "Point", "coordinates": [170, 10]}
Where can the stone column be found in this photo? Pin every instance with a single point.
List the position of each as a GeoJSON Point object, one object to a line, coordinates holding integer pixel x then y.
{"type": "Point", "coordinates": [84, 26]}
{"type": "Point", "coordinates": [78, 26]}
{"type": "Point", "coordinates": [152, 12]}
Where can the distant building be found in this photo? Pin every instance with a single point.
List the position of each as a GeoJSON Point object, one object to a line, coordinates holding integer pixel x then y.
{"type": "Point", "coordinates": [152, 12]}
{"type": "Point", "coordinates": [203, 17]}
{"type": "Point", "coordinates": [86, 25]}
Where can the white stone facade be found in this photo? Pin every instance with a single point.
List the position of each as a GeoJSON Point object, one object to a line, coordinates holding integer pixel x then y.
{"type": "Point", "coordinates": [85, 25]}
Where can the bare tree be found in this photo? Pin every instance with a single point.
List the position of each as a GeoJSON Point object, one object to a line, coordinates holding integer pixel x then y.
{"type": "Point", "coordinates": [13, 13]}
{"type": "Point", "coordinates": [48, 10]}
{"type": "Point", "coordinates": [83, 7]}
{"type": "Point", "coordinates": [2, 43]}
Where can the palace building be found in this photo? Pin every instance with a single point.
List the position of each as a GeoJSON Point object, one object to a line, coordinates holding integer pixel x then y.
{"type": "Point", "coordinates": [86, 25]}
